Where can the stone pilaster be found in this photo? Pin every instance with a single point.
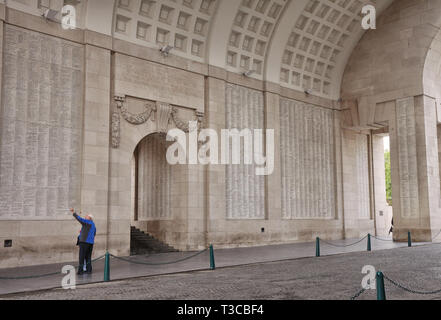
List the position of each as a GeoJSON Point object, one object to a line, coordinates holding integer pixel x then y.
{"type": "Point", "coordinates": [273, 185]}
{"type": "Point", "coordinates": [215, 192]}
{"type": "Point", "coordinates": [95, 174]}
{"type": "Point", "coordinates": [415, 169]}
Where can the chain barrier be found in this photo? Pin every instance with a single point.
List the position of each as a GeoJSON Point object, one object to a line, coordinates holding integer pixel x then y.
{"type": "Point", "coordinates": [381, 239]}
{"type": "Point", "coordinates": [389, 240]}
{"type": "Point", "coordinates": [410, 290]}
{"type": "Point", "coordinates": [436, 235]}
{"type": "Point", "coordinates": [43, 275]}
{"type": "Point", "coordinates": [30, 277]}
{"type": "Point", "coordinates": [343, 246]}
{"type": "Point", "coordinates": [358, 294]}
{"type": "Point", "coordinates": [375, 237]}
{"type": "Point", "coordinates": [159, 263]}
{"type": "Point", "coordinates": [200, 252]}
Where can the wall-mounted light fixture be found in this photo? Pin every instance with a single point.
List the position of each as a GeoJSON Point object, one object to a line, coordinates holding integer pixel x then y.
{"type": "Point", "coordinates": [51, 15]}
{"type": "Point", "coordinates": [165, 50]}
{"type": "Point", "coordinates": [249, 73]}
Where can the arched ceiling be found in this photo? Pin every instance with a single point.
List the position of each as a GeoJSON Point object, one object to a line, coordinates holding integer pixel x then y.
{"type": "Point", "coordinates": [183, 24]}
{"type": "Point", "coordinates": [301, 44]}
{"type": "Point", "coordinates": [314, 54]}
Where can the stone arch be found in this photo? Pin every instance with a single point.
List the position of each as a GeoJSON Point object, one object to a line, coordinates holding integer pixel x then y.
{"type": "Point", "coordinates": [172, 230]}
{"type": "Point", "coordinates": [397, 60]}
{"type": "Point", "coordinates": [152, 184]}
{"type": "Point", "coordinates": [313, 42]}
{"type": "Point", "coordinates": [151, 200]}
{"type": "Point", "coordinates": [391, 60]}
{"type": "Point", "coordinates": [220, 31]}
{"type": "Point", "coordinates": [390, 82]}
{"type": "Point", "coordinates": [432, 69]}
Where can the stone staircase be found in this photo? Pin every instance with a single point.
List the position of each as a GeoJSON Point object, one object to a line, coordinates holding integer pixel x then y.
{"type": "Point", "coordinates": [143, 243]}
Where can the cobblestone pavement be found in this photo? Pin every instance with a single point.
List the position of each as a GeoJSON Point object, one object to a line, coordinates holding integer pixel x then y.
{"type": "Point", "coordinates": [329, 278]}
{"type": "Point", "coordinates": [160, 264]}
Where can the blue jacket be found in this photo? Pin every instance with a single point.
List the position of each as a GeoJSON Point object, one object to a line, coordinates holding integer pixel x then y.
{"type": "Point", "coordinates": [88, 230]}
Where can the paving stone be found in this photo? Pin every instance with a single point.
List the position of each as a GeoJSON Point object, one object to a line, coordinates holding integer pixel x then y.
{"type": "Point", "coordinates": [336, 277]}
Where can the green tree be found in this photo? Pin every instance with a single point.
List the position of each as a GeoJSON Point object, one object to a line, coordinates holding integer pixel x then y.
{"type": "Point", "coordinates": [388, 178]}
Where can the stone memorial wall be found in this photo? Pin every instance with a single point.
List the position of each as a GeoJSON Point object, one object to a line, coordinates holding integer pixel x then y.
{"type": "Point", "coordinates": [41, 125]}
{"type": "Point", "coordinates": [154, 179]}
{"type": "Point", "coordinates": [362, 174]}
{"type": "Point", "coordinates": [307, 161]}
{"type": "Point", "coordinates": [245, 190]}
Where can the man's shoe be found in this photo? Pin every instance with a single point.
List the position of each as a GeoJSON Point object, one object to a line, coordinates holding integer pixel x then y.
{"type": "Point", "coordinates": [80, 273]}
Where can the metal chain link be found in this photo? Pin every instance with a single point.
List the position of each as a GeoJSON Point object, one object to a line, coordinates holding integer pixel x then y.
{"type": "Point", "coordinates": [387, 240]}
{"type": "Point", "coordinates": [198, 253]}
{"type": "Point", "coordinates": [43, 275]}
{"type": "Point", "coordinates": [358, 294]}
{"type": "Point", "coordinates": [343, 246]}
{"type": "Point", "coordinates": [159, 263]}
{"type": "Point", "coordinates": [31, 277]}
{"type": "Point", "coordinates": [393, 240]}
{"type": "Point", "coordinates": [436, 235]}
{"type": "Point", "coordinates": [410, 290]}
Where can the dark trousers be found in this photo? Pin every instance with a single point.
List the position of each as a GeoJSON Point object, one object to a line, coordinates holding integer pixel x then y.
{"type": "Point", "coordinates": [85, 254]}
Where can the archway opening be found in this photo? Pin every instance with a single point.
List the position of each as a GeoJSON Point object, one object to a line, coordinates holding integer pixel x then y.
{"type": "Point", "coordinates": [383, 185]}
{"type": "Point", "coordinates": [152, 216]}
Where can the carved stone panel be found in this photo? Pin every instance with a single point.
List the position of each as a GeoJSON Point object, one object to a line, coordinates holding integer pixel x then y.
{"type": "Point", "coordinates": [154, 180]}
{"type": "Point", "coordinates": [362, 175]}
{"type": "Point", "coordinates": [245, 192]}
{"type": "Point", "coordinates": [40, 125]}
{"type": "Point", "coordinates": [307, 161]}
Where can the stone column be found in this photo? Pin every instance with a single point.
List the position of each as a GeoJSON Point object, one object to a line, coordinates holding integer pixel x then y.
{"type": "Point", "coordinates": [356, 185]}
{"type": "Point", "coordinates": [415, 169]}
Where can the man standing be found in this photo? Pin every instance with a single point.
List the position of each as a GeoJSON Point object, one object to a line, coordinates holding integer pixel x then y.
{"type": "Point", "coordinates": [86, 239]}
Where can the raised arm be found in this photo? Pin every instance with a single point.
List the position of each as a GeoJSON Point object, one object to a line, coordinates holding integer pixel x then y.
{"type": "Point", "coordinates": [79, 219]}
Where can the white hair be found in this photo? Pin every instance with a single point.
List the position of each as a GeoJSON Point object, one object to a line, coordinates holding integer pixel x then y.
{"type": "Point", "coordinates": [91, 217]}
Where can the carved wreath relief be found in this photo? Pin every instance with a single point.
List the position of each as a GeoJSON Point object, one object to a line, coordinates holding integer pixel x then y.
{"type": "Point", "coordinates": [159, 112]}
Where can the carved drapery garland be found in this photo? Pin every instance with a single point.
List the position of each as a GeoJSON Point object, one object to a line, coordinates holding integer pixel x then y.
{"type": "Point", "coordinates": [183, 125]}
{"type": "Point", "coordinates": [116, 123]}
{"type": "Point", "coordinates": [138, 119]}
{"type": "Point", "coordinates": [164, 111]}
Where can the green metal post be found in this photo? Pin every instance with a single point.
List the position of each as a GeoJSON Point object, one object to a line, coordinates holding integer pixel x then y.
{"type": "Point", "coordinates": [317, 247]}
{"type": "Point", "coordinates": [381, 292]}
{"type": "Point", "coordinates": [107, 268]}
{"type": "Point", "coordinates": [409, 240]}
{"type": "Point", "coordinates": [212, 262]}
{"type": "Point", "coordinates": [369, 247]}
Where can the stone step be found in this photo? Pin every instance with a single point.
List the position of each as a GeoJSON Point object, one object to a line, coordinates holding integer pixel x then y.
{"type": "Point", "coordinates": [140, 237]}
{"type": "Point", "coordinates": [153, 248]}
{"type": "Point", "coordinates": [143, 243]}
